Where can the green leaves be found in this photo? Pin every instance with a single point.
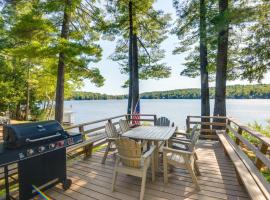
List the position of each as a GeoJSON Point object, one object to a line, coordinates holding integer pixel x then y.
{"type": "Point", "coordinates": [150, 26]}
{"type": "Point", "coordinates": [30, 41]}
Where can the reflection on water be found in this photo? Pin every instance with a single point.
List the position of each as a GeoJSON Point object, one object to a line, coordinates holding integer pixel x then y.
{"type": "Point", "coordinates": [246, 110]}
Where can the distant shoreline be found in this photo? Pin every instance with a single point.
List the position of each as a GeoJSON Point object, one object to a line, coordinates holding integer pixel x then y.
{"type": "Point", "coordinates": [163, 99]}
{"type": "Point", "coordinates": [258, 91]}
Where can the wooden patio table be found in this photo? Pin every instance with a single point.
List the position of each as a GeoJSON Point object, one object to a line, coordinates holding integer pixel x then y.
{"type": "Point", "coordinates": [154, 134]}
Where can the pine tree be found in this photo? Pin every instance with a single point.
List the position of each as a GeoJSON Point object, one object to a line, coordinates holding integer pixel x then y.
{"type": "Point", "coordinates": [141, 29]}
{"type": "Point", "coordinates": [36, 43]}
{"type": "Point", "coordinates": [76, 44]}
{"type": "Point", "coordinates": [222, 57]}
{"type": "Point", "coordinates": [192, 25]}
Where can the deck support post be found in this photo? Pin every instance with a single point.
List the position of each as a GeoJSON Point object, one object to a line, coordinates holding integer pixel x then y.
{"type": "Point", "coordinates": [188, 123]}
{"type": "Point", "coordinates": [155, 119]}
{"type": "Point", "coordinates": [239, 131]}
{"type": "Point", "coordinates": [87, 150]}
{"type": "Point", "coordinates": [263, 149]}
{"type": "Point", "coordinates": [228, 124]}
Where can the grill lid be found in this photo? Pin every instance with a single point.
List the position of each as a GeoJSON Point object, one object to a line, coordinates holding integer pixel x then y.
{"type": "Point", "coordinates": [26, 134]}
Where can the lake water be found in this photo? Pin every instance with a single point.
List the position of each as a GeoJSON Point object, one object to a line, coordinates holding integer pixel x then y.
{"type": "Point", "coordinates": [246, 110]}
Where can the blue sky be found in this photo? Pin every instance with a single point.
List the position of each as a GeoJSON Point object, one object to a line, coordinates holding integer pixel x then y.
{"type": "Point", "coordinates": [114, 79]}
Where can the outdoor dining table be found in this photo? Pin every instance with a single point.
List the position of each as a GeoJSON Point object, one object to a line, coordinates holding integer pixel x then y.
{"type": "Point", "coordinates": [154, 134]}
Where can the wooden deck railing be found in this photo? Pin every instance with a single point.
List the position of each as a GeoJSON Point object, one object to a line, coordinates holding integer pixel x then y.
{"type": "Point", "coordinates": [94, 132]}
{"type": "Point", "coordinates": [260, 149]}
{"type": "Point", "coordinates": [236, 130]}
{"type": "Point", "coordinates": [94, 135]}
{"type": "Point", "coordinates": [209, 125]}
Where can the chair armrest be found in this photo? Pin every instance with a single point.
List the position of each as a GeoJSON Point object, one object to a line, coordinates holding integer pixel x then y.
{"type": "Point", "coordinates": [112, 139]}
{"type": "Point", "coordinates": [181, 141]}
{"type": "Point", "coordinates": [149, 152]}
{"type": "Point", "coordinates": [181, 133]}
{"type": "Point", "coordinates": [166, 149]}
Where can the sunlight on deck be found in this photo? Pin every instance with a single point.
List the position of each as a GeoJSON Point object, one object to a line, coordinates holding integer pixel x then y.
{"type": "Point", "coordinates": [92, 180]}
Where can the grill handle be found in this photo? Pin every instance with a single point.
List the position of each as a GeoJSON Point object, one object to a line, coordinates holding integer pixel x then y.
{"type": "Point", "coordinates": [43, 138]}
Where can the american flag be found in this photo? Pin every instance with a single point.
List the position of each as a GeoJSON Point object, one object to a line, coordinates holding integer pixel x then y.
{"type": "Point", "coordinates": [136, 112]}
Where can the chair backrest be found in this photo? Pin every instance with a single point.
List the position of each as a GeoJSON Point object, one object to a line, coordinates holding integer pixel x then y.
{"type": "Point", "coordinates": [129, 152]}
{"type": "Point", "coordinates": [111, 131]}
{"type": "Point", "coordinates": [194, 140]}
{"type": "Point", "coordinates": [190, 136]}
{"type": "Point", "coordinates": [124, 125]}
{"type": "Point", "coordinates": [163, 121]}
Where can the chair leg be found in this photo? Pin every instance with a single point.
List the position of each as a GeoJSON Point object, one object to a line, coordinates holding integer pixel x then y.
{"type": "Point", "coordinates": [153, 168]}
{"type": "Point", "coordinates": [196, 167]}
{"type": "Point", "coordinates": [106, 152]}
{"type": "Point", "coordinates": [196, 156]}
{"type": "Point", "coordinates": [193, 176]}
{"type": "Point", "coordinates": [165, 168]}
{"type": "Point", "coordinates": [143, 184]}
{"type": "Point", "coordinates": [115, 173]}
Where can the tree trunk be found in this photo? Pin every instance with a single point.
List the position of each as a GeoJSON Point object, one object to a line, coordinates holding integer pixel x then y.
{"type": "Point", "coordinates": [27, 95]}
{"type": "Point", "coordinates": [221, 72]}
{"type": "Point", "coordinates": [59, 101]}
{"type": "Point", "coordinates": [130, 58]}
{"type": "Point", "coordinates": [205, 105]}
{"type": "Point", "coordinates": [135, 92]}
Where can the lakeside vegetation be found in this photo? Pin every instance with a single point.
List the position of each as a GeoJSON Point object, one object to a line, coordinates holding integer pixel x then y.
{"type": "Point", "coordinates": [258, 91]}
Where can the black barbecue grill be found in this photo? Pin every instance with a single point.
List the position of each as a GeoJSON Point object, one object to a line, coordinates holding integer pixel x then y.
{"type": "Point", "coordinates": [40, 150]}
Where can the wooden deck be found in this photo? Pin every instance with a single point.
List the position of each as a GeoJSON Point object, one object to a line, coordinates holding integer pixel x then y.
{"type": "Point", "coordinates": [92, 180]}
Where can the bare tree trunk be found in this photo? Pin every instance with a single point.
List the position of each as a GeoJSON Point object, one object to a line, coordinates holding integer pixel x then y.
{"type": "Point", "coordinates": [59, 101]}
{"type": "Point", "coordinates": [27, 95]}
{"type": "Point", "coordinates": [205, 105]}
{"type": "Point", "coordinates": [18, 111]}
{"type": "Point", "coordinates": [130, 58]}
{"type": "Point", "coordinates": [222, 54]}
{"type": "Point", "coordinates": [135, 92]}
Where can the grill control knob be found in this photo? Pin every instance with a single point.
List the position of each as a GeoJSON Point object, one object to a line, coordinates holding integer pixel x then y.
{"type": "Point", "coordinates": [30, 152]}
{"type": "Point", "coordinates": [52, 146]}
{"type": "Point", "coordinates": [41, 149]}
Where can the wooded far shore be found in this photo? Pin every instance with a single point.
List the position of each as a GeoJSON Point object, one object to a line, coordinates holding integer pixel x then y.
{"type": "Point", "coordinates": [257, 91]}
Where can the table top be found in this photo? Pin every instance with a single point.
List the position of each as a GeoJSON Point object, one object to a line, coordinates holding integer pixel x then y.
{"type": "Point", "coordinates": [160, 133]}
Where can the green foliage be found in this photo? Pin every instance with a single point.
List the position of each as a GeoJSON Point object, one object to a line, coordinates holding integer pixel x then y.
{"type": "Point", "coordinates": [29, 47]}
{"type": "Point", "coordinates": [234, 92]}
{"type": "Point", "coordinates": [94, 96]}
{"type": "Point", "coordinates": [254, 58]}
{"type": "Point", "coordinates": [150, 27]}
{"type": "Point", "coordinates": [239, 15]}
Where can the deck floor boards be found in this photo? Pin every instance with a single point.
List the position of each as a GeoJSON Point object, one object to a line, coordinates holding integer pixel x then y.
{"type": "Point", "coordinates": [92, 180]}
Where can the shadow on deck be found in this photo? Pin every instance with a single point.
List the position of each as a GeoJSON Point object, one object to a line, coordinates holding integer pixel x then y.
{"type": "Point", "coordinates": [92, 180]}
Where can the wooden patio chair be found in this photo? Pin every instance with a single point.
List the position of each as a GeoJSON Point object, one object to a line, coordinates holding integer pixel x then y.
{"type": "Point", "coordinates": [131, 161]}
{"type": "Point", "coordinates": [183, 159]}
{"type": "Point", "coordinates": [187, 135]}
{"type": "Point", "coordinates": [112, 135]}
{"type": "Point", "coordinates": [187, 143]}
{"type": "Point", "coordinates": [163, 121]}
{"type": "Point", "coordinates": [124, 126]}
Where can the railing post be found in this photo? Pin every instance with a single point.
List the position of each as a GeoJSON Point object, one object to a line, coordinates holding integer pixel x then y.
{"type": "Point", "coordinates": [127, 118]}
{"type": "Point", "coordinates": [228, 124]}
{"type": "Point", "coordinates": [188, 123]}
{"type": "Point", "coordinates": [263, 149]}
{"type": "Point", "coordinates": [86, 149]}
{"type": "Point", "coordinates": [155, 119]}
{"type": "Point", "coordinates": [239, 131]}
{"type": "Point", "coordinates": [81, 130]}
